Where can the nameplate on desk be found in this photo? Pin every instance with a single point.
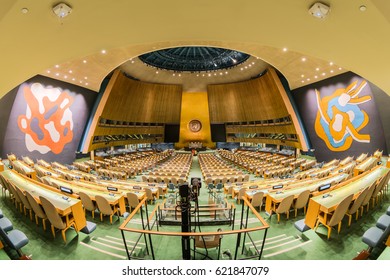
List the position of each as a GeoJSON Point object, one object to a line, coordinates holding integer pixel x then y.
{"type": "Point", "coordinates": [66, 190]}
{"type": "Point", "coordinates": [277, 187]}
{"type": "Point", "coordinates": [324, 187]}
{"type": "Point", "coordinates": [137, 188]}
{"type": "Point", "coordinates": [113, 189]}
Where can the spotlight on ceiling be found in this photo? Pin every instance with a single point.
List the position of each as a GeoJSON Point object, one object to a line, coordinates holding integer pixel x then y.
{"type": "Point", "coordinates": [319, 10]}
{"type": "Point", "coordinates": [62, 10]}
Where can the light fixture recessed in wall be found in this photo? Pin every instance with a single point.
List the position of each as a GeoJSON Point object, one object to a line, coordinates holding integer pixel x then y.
{"type": "Point", "coordinates": [62, 10]}
{"type": "Point", "coordinates": [319, 10]}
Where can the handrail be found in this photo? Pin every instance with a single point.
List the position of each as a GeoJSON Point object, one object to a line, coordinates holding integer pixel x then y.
{"type": "Point", "coordinates": [237, 231]}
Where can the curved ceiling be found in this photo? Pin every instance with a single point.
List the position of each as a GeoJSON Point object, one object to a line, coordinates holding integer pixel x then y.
{"type": "Point", "coordinates": [194, 59]}
{"type": "Point", "coordinates": [37, 42]}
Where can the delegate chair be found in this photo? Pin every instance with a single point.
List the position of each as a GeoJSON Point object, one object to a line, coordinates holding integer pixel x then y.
{"type": "Point", "coordinates": [208, 242]}
{"type": "Point", "coordinates": [355, 207]}
{"type": "Point", "coordinates": [257, 200]}
{"type": "Point", "coordinates": [26, 204]}
{"type": "Point", "coordinates": [62, 223]}
{"type": "Point", "coordinates": [105, 208]}
{"type": "Point", "coordinates": [367, 198]}
{"type": "Point", "coordinates": [329, 220]}
{"type": "Point", "coordinates": [88, 204]}
{"type": "Point", "coordinates": [301, 202]}
{"type": "Point", "coordinates": [132, 200]}
{"type": "Point", "coordinates": [14, 196]}
{"type": "Point", "coordinates": [241, 194]}
{"type": "Point", "coordinates": [149, 194]}
{"type": "Point", "coordinates": [38, 211]}
{"type": "Point", "coordinates": [283, 207]}
{"type": "Point", "coordinates": [377, 193]}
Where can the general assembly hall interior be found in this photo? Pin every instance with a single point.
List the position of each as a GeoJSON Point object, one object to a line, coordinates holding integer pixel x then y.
{"type": "Point", "coordinates": [195, 130]}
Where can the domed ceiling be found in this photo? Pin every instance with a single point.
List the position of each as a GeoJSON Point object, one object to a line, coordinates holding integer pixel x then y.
{"type": "Point", "coordinates": [194, 59]}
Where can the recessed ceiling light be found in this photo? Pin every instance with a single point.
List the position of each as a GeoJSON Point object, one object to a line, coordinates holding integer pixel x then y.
{"type": "Point", "coordinates": [242, 69]}
{"type": "Point", "coordinates": [197, 75]}
{"type": "Point", "coordinates": [73, 79]}
{"type": "Point", "coordinates": [48, 71]}
{"type": "Point", "coordinates": [315, 77]}
{"type": "Point", "coordinates": [62, 10]}
{"type": "Point", "coordinates": [173, 74]}
{"type": "Point", "coordinates": [319, 10]}
{"type": "Point", "coordinates": [308, 79]}
{"type": "Point", "coordinates": [103, 51]}
{"type": "Point", "coordinates": [340, 68]}
{"type": "Point", "coordinates": [215, 74]}
{"type": "Point", "coordinates": [84, 61]}
{"type": "Point", "coordinates": [253, 63]}
{"type": "Point", "coordinates": [85, 78]}
{"type": "Point", "coordinates": [209, 74]}
{"type": "Point", "coordinates": [246, 67]}
{"type": "Point", "coordinates": [331, 71]}
{"type": "Point", "coordinates": [81, 82]}
{"type": "Point", "coordinates": [331, 63]}
{"type": "Point", "coordinates": [86, 84]}
{"type": "Point", "coordinates": [57, 74]}
{"type": "Point", "coordinates": [303, 59]}
{"type": "Point", "coordinates": [179, 75]}
{"type": "Point", "coordinates": [284, 49]}
{"type": "Point", "coordinates": [221, 73]}
{"type": "Point", "coordinates": [226, 72]}
{"type": "Point", "coordinates": [363, 8]}
{"type": "Point", "coordinates": [132, 61]}
{"type": "Point", "coordinates": [317, 69]}
{"type": "Point", "coordinates": [323, 74]}
{"type": "Point", "coordinates": [302, 76]}
{"type": "Point", "coordinates": [56, 66]}
{"type": "Point", "coordinates": [65, 77]}
{"type": "Point", "coordinates": [24, 10]}
{"type": "Point", "coordinates": [303, 81]}
{"type": "Point", "coordinates": [70, 71]}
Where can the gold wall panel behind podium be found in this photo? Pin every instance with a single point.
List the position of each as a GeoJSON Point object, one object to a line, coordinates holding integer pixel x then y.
{"type": "Point", "coordinates": [194, 106]}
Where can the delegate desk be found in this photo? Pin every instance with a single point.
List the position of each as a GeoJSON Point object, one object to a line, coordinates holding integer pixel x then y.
{"type": "Point", "coordinates": [355, 185]}
{"type": "Point", "coordinates": [24, 169]}
{"type": "Point", "coordinates": [64, 206]}
{"type": "Point", "coordinates": [91, 191]}
{"type": "Point", "coordinates": [277, 196]}
{"type": "Point", "coordinates": [367, 164]}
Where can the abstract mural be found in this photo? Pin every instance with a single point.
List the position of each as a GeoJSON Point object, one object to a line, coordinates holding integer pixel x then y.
{"type": "Point", "coordinates": [339, 118]}
{"type": "Point", "coordinates": [48, 122]}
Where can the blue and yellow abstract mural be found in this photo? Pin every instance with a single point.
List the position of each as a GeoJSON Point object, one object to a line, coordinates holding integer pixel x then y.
{"type": "Point", "coordinates": [339, 118]}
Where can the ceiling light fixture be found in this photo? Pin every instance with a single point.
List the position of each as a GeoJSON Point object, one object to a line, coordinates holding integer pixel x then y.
{"type": "Point", "coordinates": [319, 10]}
{"type": "Point", "coordinates": [62, 10]}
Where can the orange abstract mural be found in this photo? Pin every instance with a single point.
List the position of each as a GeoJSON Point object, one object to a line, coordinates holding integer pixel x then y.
{"type": "Point", "coordinates": [339, 118]}
{"type": "Point", "coordinates": [48, 122]}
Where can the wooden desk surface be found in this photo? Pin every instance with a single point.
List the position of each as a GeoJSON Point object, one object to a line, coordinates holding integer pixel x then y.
{"type": "Point", "coordinates": [296, 189]}
{"type": "Point", "coordinates": [24, 168]}
{"type": "Point", "coordinates": [352, 186]}
{"type": "Point", "coordinates": [92, 190]}
{"type": "Point", "coordinates": [1, 166]}
{"type": "Point", "coordinates": [64, 206]}
{"type": "Point", "coordinates": [367, 162]}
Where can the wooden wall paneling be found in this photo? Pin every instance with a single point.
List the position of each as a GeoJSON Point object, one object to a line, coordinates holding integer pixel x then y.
{"type": "Point", "coordinates": [291, 111]}
{"type": "Point", "coordinates": [257, 99]}
{"type": "Point", "coordinates": [137, 101]}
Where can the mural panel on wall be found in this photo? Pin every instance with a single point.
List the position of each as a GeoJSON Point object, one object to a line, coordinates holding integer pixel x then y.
{"type": "Point", "coordinates": [341, 117]}
{"type": "Point", "coordinates": [47, 119]}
